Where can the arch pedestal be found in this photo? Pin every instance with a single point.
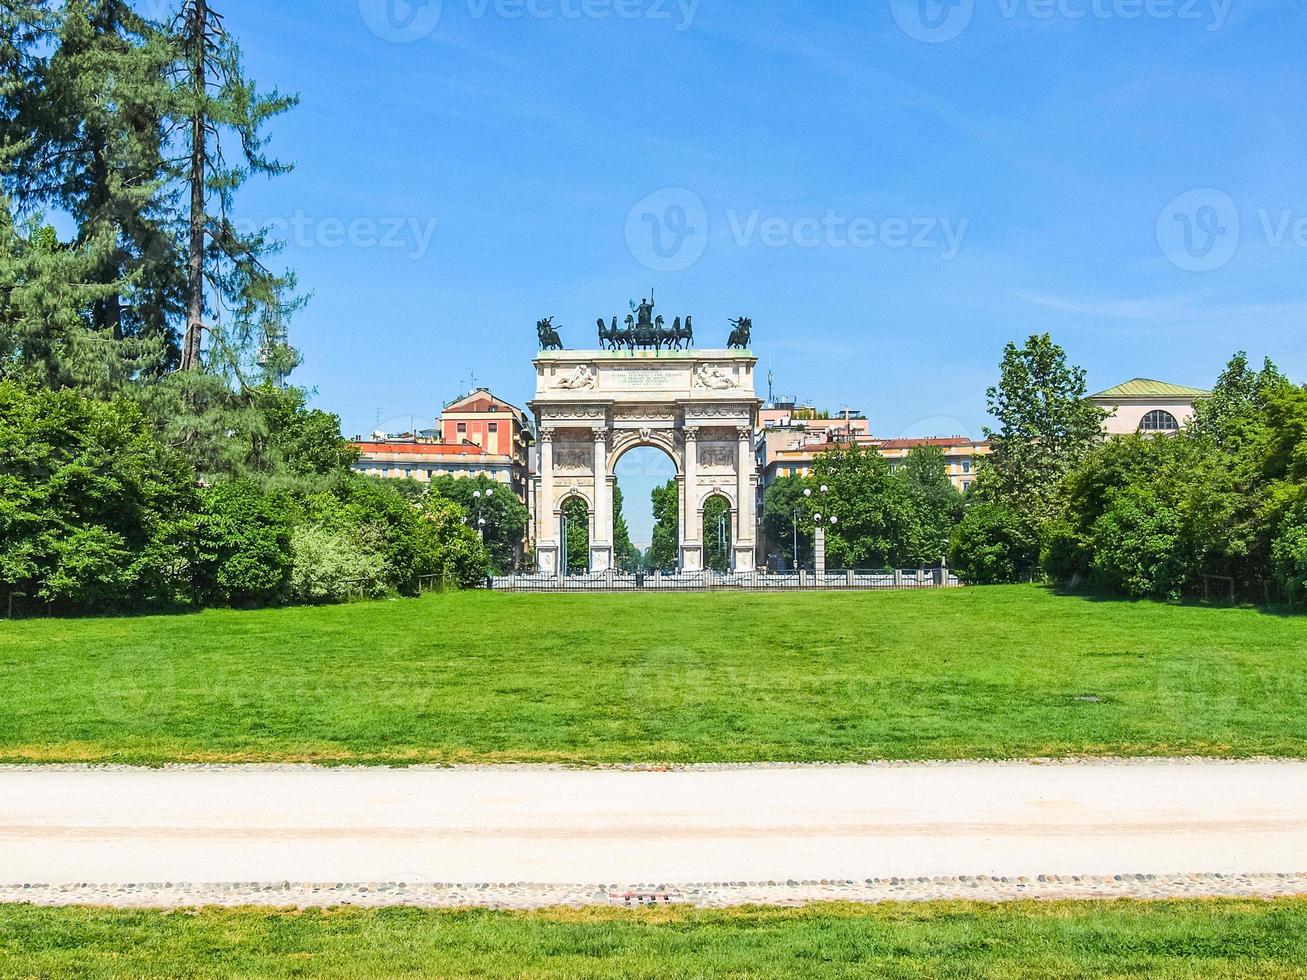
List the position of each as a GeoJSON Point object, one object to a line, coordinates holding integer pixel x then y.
{"type": "Point", "coordinates": [699, 407]}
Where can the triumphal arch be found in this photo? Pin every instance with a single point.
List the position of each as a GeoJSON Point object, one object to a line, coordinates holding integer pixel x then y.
{"type": "Point", "coordinates": [648, 386]}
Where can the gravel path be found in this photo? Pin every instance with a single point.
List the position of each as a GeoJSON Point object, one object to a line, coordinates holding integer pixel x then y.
{"type": "Point", "coordinates": [701, 894]}
{"type": "Point", "coordinates": [773, 834]}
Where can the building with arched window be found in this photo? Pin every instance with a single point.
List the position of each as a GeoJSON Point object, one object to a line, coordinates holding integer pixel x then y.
{"type": "Point", "coordinates": [1147, 406]}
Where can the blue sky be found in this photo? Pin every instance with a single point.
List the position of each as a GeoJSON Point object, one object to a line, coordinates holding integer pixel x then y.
{"type": "Point", "coordinates": [890, 190]}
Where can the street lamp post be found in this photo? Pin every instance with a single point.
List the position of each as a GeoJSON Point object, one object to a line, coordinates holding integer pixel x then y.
{"type": "Point", "coordinates": [562, 565]}
{"type": "Point", "coordinates": [820, 522]}
{"type": "Point", "coordinates": [478, 496]}
{"type": "Point", "coordinates": [794, 514]}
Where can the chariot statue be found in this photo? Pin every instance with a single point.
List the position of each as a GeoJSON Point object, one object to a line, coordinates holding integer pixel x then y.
{"type": "Point", "coordinates": [645, 330]}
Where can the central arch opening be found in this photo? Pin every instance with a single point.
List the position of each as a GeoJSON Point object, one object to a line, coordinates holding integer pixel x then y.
{"type": "Point", "coordinates": [717, 519]}
{"type": "Point", "coordinates": [574, 536]}
{"type": "Point", "coordinates": [649, 516]}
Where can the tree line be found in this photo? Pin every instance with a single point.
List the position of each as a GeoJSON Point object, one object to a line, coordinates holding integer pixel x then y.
{"type": "Point", "coordinates": [151, 453]}
{"type": "Point", "coordinates": [1220, 505]}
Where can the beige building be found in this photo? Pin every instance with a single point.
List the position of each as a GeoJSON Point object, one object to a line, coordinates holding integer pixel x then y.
{"type": "Point", "coordinates": [1147, 406]}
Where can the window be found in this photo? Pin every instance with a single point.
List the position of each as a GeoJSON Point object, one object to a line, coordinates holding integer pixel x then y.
{"type": "Point", "coordinates": [494, 428]}
{"type": "Point", "coordinates": [462, 428]}
{"type": "Point", "coordinates": [1159, 421]}
{"type": "Point", "coordinates": [966, 466]}
{"type": "Point", "coordinates": [966, 485]}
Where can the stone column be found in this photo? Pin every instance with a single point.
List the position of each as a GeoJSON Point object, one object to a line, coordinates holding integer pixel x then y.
{"type": "Point", "coordinates": [546, 518]}
{"type": "Point", "coordinates": [691, 529]}
{"type": "Point", "coordinates": [745, 541]}
{"type": "Point", "coordinates": [601, 531]}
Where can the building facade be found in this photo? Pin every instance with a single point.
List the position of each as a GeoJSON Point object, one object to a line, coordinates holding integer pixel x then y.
{"type": "Point", "coordinates": [478, 434]}
{"type": "Point", "coordinates": [1147, 406]}
{"type": "Point", "coordinates": [789, 447]}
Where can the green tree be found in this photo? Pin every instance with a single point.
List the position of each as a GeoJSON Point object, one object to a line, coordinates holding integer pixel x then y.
{"type": "Point", "coordinates": [1137, 544]}
{"type": "Point", "coordinates": [1045, 428]}
{"type": "Point", "coordinates": [226, 267]}
{"type": "Point", "coordinates": [665, 547]}
{"type": "Point", "coordinates": [936, 505]}
{"type": "Point", "coordinates": [625, 554]}
{"type": "Point", "coordinates": [1289, 555]}
{"type": "Point", "coordinates": [91, 130]}
{"type": "Point", "coordinates": [432, 538]}
{"type": "Point", "coordinates": [331, 565]}
{"type": "Point", "coordinates": [783, 510]}
{"type": "Point", "coordinates": [1234, 414]}
{"type": "Point", "coordinates": [873, 508]}
{"type": "Point", "coordinates": [46, 289]}
{"type": "Point", "coordinates": [505, 515]}
{"type": "Point", "coordinates": [241, 546]}
{"type": "Point", "coordinates": [93, 510]}
{"type": "Point", "coordinates": [1107, 535]}
{"type": "Point", "coordinates": [717, 533]}
{"type": "Point", "coordinates": [260, 432]}
{"type": "Point", "coordinates": [993, 545]}
{"type": "Point", "coordinates": [576, 513]}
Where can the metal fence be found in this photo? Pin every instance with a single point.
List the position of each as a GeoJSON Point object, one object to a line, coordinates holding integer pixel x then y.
{"type": "Point", "coordinates": [855, 580]}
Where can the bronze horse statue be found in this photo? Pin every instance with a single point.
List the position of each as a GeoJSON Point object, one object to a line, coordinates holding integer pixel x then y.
{"type": "Point", "coordinates": [549, 338]}
{"type": "Point", "coordinates": [742, 334]}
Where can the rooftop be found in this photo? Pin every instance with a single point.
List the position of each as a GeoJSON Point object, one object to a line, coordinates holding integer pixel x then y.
{"type": "Point", "coordinates": [1148, 388]}
{"type": "Point", "coordinates": [421, 448]}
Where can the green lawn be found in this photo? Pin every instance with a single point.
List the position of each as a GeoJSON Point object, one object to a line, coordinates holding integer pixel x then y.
{"type": "Point", "coordinates": [1165, 939]}
{"type": "Point", "coordinates": [1002, 672]}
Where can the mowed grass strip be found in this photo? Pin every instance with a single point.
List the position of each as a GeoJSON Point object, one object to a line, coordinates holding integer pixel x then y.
{"type": "Point", "coordinates": [669, 678]}
{"type": "Point", "coordinates": [1089, 939]}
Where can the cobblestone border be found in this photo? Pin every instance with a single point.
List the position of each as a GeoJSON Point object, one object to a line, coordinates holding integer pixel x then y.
{"type": "Point", "coordinates": [523, 895]}
{"type": "Point", "coordinates": [1048, 761]}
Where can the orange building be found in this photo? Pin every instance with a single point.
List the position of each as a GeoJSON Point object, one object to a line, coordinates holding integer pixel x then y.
{"type": "Point", "coordinates": [476, 435]}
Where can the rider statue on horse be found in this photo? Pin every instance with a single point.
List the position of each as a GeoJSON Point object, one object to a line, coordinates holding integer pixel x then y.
{"type": "Point", "coordinates": [549, 339]}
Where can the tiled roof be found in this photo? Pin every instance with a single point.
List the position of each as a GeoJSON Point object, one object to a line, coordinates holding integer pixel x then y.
{"type": "Point", "coordinates": [1148, 388]}
{"type": "Point", "coordinates": [420, 448]}
{"type": "Point", "coordinates": [944, 442]}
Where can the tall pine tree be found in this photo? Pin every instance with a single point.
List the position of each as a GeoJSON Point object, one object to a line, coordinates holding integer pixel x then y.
{"type": "Point", "coordinates": [88, 132]}
{"type": "Point", "coordinates": [223, 114]}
